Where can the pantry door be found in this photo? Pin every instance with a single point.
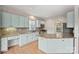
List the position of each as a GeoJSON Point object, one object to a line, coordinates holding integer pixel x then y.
{"type": "Point", "coordinates": [76, 30]}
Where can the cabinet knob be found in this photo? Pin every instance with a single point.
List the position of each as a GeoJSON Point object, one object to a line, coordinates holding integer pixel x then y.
{"type": "Point", "coordinates": [62, 40]}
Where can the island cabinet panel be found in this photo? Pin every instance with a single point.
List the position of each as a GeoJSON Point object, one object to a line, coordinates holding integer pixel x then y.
{"type": "Point", "coordinates": [42, 45]}
{"type": "Point", "coordinates": [60, 46]}
{"type": "Point", "coordinates": [48, 45]}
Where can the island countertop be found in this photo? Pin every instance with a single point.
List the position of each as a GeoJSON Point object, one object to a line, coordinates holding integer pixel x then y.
{"type": "Point", "coordinates": [55, 36]}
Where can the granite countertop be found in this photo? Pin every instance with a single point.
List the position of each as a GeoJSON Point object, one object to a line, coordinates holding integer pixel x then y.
{"type": "Point", "coordinates": [9, 35]}
{"type": "Point", "coordinates": [54, 36]}
{"type": "Point", "coordinates": [15, 34]}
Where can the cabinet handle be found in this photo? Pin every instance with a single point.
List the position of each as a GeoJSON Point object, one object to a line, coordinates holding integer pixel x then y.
{"type": "Point", "coordinates": [62, 40]}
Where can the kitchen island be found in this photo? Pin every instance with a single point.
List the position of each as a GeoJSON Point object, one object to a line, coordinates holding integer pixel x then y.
{"type": "Point", "coordinates": [52, 44]}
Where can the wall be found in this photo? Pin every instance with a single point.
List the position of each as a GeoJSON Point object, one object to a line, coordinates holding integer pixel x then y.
{"type": "Point", "coordinates": [50, 24]}
{"type": "Point", "coordinates": [13, 10]}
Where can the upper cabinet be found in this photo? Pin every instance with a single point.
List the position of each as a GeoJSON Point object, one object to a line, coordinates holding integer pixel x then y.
{"type": "Point", "coordinates": [21, 21]}
{"type": "Point", "coordinates": [6, 19]}
{"type": "Point", "coordinates": [26, 22]}
{"type": "Point", "coordinates": [15, 20]}
{"type": "Point", "coordinates": [70, 19]}
{"type": "Point", "coordinates": [12, 20]}
{"type": "Point", "coordinates": [0, 19]}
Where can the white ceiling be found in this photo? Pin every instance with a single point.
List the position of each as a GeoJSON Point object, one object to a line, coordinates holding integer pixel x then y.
{"type": "Point", "coordinates": [44, 10]}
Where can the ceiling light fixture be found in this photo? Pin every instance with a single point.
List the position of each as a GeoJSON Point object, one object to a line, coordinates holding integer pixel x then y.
{"type": "Point", "coordinates": [32, 17]}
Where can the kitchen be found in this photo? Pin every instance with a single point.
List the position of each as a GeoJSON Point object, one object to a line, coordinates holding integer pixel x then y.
{"type": "Point", "coordinates": [49, 28]}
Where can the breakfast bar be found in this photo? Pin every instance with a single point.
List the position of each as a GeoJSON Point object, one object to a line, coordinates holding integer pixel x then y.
{"type": "Point", "coordinates": [52, 44]}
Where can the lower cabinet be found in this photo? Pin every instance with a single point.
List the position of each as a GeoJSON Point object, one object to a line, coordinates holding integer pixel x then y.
{"type": "Point", "coordinates": [4, 44]}
{"type": "Point", "coordinates": [13, 40]}
{"type": "Point", "coordinates": [27, 38]}
{"type": "Point", "coordinates": [60, 46]}
{"type": "Point", "coordinates": [20, 40]}
{"type": "Point", "coordinates": [56, 45]}
{"type": "Point", "coordinates": [8, 42]}
{"type": "Point", "coordinates": [23, 40]}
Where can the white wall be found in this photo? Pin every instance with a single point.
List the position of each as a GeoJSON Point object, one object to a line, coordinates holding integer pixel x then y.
{"type": "Point", "coordinates": [50, 24]}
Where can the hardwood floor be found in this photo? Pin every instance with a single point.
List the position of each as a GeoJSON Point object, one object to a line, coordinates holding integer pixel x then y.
{"type": "Point", "coordinates": [31, 48]}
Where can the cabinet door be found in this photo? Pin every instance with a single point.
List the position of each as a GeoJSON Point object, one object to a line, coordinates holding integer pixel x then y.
{"type": "Point", "coordinates": [67, 45]}
{"type": "Point", "coordinates": [54, 46]}
{"type": "Point", "coordinates": [42, 44]}
{"type": "Point", "coordinates": [23, 40]}
{"type": "Point", "coordinates": [6, 19]}
{"type": "Point", "coordinates": [70, 19]}
{"type": "Point", "coordinates": [12, 41]}
{"type": "Point", "coordinates": [15, 20]}
{"type": "Point", "coordinates": [26, 22]}
{"type": "Point", "coordinates": [22, 21]}
{"type": "Point", "coordinates": [60, 46]}
{"type": "Point", "coordinates": [4, 44]}
{"type": "Point", "coordinates": [0, 19]}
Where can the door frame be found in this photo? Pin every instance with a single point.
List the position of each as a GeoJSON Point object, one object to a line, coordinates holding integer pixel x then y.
{"type": "Point", "coordinates": [76, 30]}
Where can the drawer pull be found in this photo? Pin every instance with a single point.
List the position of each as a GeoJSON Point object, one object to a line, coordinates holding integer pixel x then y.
{"type": "Point", "coordinates": [62, 40]}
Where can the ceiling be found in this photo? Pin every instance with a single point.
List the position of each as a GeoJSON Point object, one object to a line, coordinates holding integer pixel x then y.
{"type": "Point", "coordinates": [44, 11]}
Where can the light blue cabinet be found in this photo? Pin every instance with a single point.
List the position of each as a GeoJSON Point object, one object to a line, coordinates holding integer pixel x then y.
{"type": "Point", "coordinates": [6, 19]}
{"type": "Point", "coordinates": [0, 19]}
{"type": "Point", "coordinates": [27, 38]}
{"type": "Point", "coordinates": [12, 20]}
{"type": "Point", "coordinates": [4, 44]}
{"type": "Point", "coordinates": [22, 21]}
{"type": "Point", "coordinates": [42, 44]}
{"type": "Point", "coordinates": [23, 40]}
{"type": "Point", "coordinates": [26, 22]}
{"type": "Point", "coordinates": [63, 45]}
{"type": "Point", "coordinates": [15, 20]}
{"type": "Point", "coordinates": [70, 19]}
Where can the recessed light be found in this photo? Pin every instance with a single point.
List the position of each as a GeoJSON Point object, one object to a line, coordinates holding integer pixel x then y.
{"type": "Point", "coordinates": [32, 17]}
